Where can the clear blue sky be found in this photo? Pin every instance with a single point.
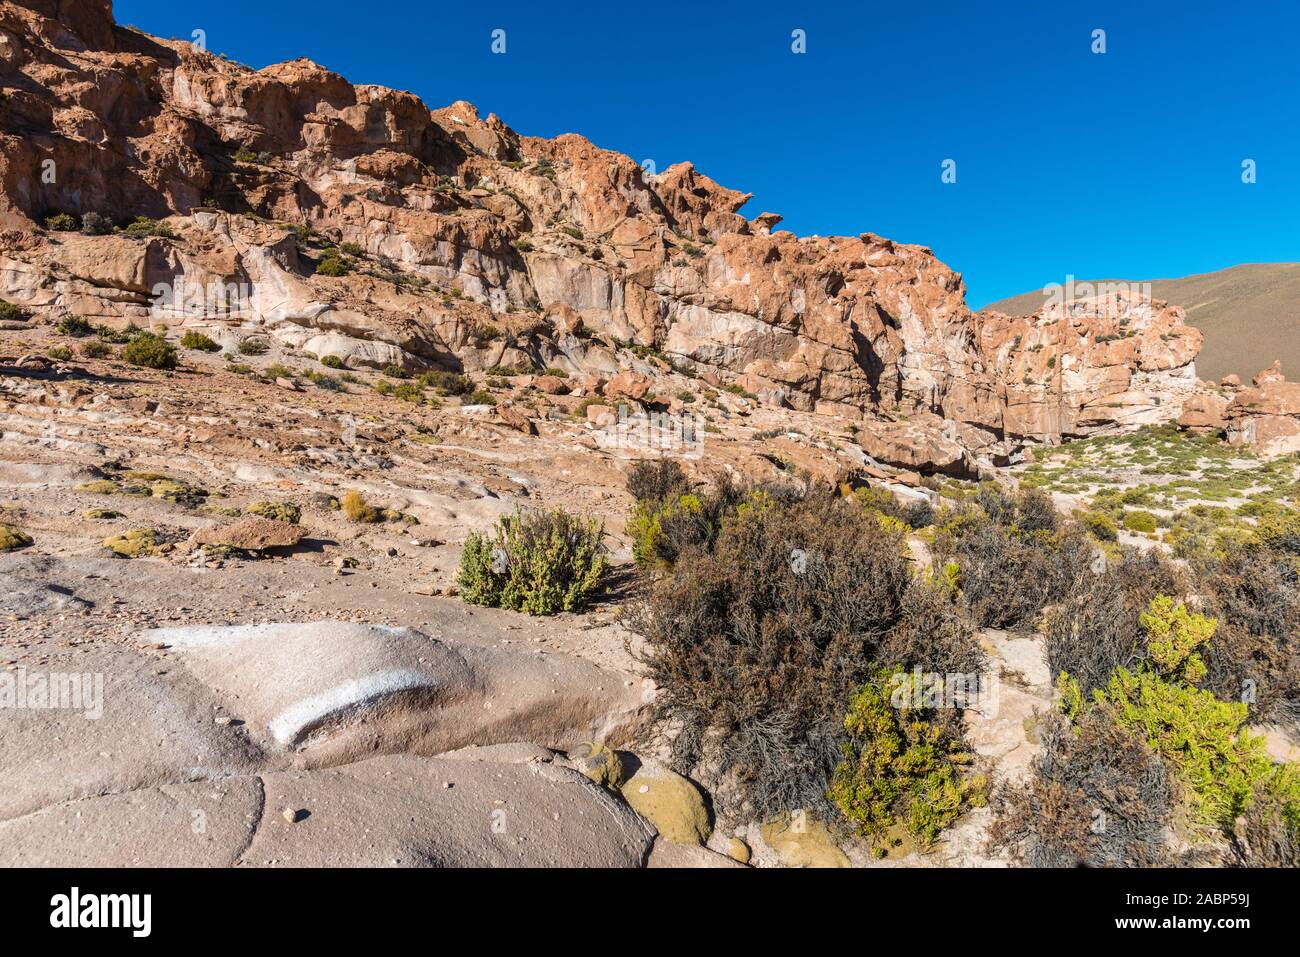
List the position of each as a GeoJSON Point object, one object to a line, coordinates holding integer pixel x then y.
{"type": "Point", "coordinates": [1124, 164]}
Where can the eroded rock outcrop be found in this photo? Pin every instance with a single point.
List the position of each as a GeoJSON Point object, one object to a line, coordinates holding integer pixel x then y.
{"type": "Point", "coordinates": [472, 247]}
{"type": "Point", "coordinates": [1266, 415]}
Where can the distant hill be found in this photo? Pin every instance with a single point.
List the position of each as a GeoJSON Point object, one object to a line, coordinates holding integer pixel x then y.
{"type": "Point", "coordinates": [1250, 316]}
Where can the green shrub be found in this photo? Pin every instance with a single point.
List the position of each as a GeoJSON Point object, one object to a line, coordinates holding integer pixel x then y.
{"type": "Point", "coordinates": [244, 155]}
{"type": "Point", "coordinates": [62, 222]}
{"type": "Point", "coordinates": [1100, 525]}
{"type": "Point", "coordinates": [902, 766]}
{"type": "Point", "coordinates": [409, 392]}
{"type": "Point", "coordinates": [149, 350]}
{"type": "Point", "coordinates": [536, 562]}
{"type": "Point", "coordinates": [278, 511]}
{"type": "Point", "coordinates": [252, 347]}
{"type": "Point", "coordinates": [1140, 521]}
{"type": "Point", "coordinates": [11, 313]}
{"type": "Point", "coordinates": [199, 342]}
{"type": "Point", "coordinates": [332, 362]}
{"type": "Point", "coordinates": [143, 226]}
{"type": "Point", "coordinates": [75, 326]}
{"type": "Point", "coordinates": [61, 354]}
{"type": "Point", "coordinates": [1173, 636]}
{"type": "Point", "coordinates": [480, 397]}
{"type": "Point", "coordinates": [117, 336]}
{"type": "Point", "coordinates": [352, 249]}
{"type": "Point", "coordinates": [333, 263]}
{"type": "Point", "coordinates": [96, 350]}
{"type": "Point", "coordinates": [1204, 739]}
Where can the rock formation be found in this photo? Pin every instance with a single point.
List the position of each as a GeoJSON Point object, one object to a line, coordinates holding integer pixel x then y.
{"type": "Point", "coordinates": [1266, 415]}
{"type": "Point", "coordinates": [466, 246]}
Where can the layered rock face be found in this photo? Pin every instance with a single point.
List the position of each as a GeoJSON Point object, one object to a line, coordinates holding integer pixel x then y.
{"type": "Point", "coordinates": [474, 247]}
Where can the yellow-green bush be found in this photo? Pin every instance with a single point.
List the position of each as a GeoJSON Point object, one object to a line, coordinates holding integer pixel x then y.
{"type": "Point", "coordinates": [1173, 635]}
{"type": "Point", "coordinates": [1140, 521]}
{"type": "Point", "coordinates": [278, 511]}
{"type": "Point", "coordinates": [902, 766]}
{"type": "Point", "coordinates": [536, 562]}
{"type": "Point", "coordinates": [357, 509]}
{"type": "Point", "coordinates": [1204, 739]}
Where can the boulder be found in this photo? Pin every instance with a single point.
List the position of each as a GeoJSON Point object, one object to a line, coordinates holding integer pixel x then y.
{"type": "Point", "coordinates": [597, 763]}
{"type": "Point", "coordinates": [252, 534]}
{"type": "Point", "coordinates": [330, 691]}
{"type": "Point", "coordinates": [803, 844]}
{"type": "Point", "coordinates": [673, 804]}
{"type": "Point", "coordinates": [627, 385]}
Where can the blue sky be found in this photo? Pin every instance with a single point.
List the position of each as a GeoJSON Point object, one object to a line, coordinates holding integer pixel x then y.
{"type": "Point", "coordinates": [1123, 164]}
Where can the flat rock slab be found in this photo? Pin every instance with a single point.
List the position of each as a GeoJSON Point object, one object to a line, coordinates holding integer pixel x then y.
{"type": "Point", "coordinates": [390, 811]}
{"type": "Point", "coordinates": [201, 824]}
{"type": "Point", "coordinates": [407, 811]}
{"type": "Point", "coordinates": [331, 692]}
{"type": "Point", "coordinates": [145, 728]}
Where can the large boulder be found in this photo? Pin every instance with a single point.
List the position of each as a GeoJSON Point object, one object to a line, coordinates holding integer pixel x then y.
{"type": "Point", "coordinates": [332, 691]}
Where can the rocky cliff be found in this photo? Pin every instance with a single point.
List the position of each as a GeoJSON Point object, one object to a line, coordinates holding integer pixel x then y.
{"type": "Point", "coordinates": [354, 221]}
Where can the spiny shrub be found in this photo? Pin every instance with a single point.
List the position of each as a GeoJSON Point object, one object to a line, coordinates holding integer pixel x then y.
{"type": "Point", "coordinates": [199, 342]}
{"type": "Point", "coordinates": [903, 766]}
{"type": "Point", "coordinates": [96, 350]}
{"type": "Point", "coordinates": [62, 222]}
{"type": "Point", "coordinates": [94, 224]}
{"type": "Point", "coordinates": [149, 350]}
{"type": "Point", "coordinates": [655, 480]}
{"type": "Point", "coordinates": [1268, 834]}
{"type": "Point", "coordinates": [252, 347]}
{"type": "Point", "coordinates": [1096, 796]}
{"type": "Point", "coordinates": [1096, 627]}
{"type": "Point", "coordinates": [1254, 595]}
{"type": "Point", "coordinates": [764, 631]}
{"type": "Point", "coordinates": [536, 562]}
{"type": "Point", "coordinates": [1010, 571]}
{"type": "Point", "coordinates": [61, 354]}
{"type": "Point", "coordinates": [447, 383]}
